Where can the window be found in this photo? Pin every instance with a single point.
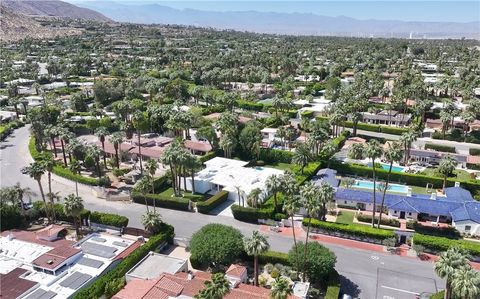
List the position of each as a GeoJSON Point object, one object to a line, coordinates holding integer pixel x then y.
{"type": "Point", "coordinates": [346, 202]}
{"type": "Point", "coordinates": [394, 212]}
{"type": "Point", "coordinates": [409, 214]}
{"type": "Point", "coordinates": [468, 227]}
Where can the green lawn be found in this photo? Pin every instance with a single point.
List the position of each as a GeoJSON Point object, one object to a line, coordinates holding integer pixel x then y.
{"type": "Point", "coordinates": [460, 174]}
{"type": "Point", "coordinates": [345, 217]}
{"type": "Point", "coordinates": [193, 197]}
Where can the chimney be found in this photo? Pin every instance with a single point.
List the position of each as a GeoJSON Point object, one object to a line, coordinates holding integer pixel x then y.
{"type": "Point", "coordinates": [190, 275]}
{"type": "Point", "coordinates": [457, 184]}
{"type": "Point", "coordinates": [433, 196]}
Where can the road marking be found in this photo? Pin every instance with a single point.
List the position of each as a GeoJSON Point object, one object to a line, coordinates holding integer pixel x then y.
{"type": "Point", "coordinates": [400, 290]}
{"type": "Point", "coordinates": [388, 297]}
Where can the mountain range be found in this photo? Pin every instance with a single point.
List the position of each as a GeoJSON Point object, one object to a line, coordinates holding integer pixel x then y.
{"type": "Point", "coordinates": [281, 23]}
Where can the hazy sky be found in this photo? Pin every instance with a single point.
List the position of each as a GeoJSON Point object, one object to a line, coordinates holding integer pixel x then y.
{"type": "Point", "coordinates": [407, 10]}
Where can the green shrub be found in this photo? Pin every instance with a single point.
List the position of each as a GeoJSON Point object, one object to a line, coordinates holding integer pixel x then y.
{"type": "Point", "coordinates": [206, 207]}
{"type": "Point", "coordinates": [176, 203]}
{"type": "Point", "coordinates": [248, 105]}
{"type": "Point", "coordinates": [215, 244]}
{"type": "Point", "coordinates": [439, 244]}
{"type": "Point", "coordinates": [333, 286]}
{"type": "Point", "coordinates": [347, 207]}
{"type": "Point", "coordinates": [439, 295]}
{"type": "Point", "coordinates": [66, 173]}
{"type": "Point", "coordinates": [119, 172]}
{"type": "Point", "coordinates": [274, 257]}
{"type": "Point", "coordinates": [319, 261]}
{"type": "Point", "coordinates": [109, 219]}
{"type": "Point", "coordinates": [474, 151]}
{"type": "Point", "coordinates": [99, 287]}
{"type": "Point", "coordinates": [32, 147]}
{"type": "Point", "coordinates": [440, 148]}
{"type": "Point", "coordinates": [11, 217]}
{"type": "Point", "coordinates": [385, 221]}
{"type": "Point", "coordinates": [246, 214]}
{"type": "Point", "coordinates": [353, 230]}
{"type": "Point", "coordinates": [272, 156]}
{"type": "Point", "coordinates": [208, 156]}
{"type": "Point", "coordinates": [58, 211]}
{"type": "Point", "coordinates": [446, 232]}
{"type": "Point", "coordinates": [307, 114]}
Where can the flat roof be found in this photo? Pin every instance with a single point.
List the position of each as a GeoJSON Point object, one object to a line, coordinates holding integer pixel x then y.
{"type": "Point", "coordinates": [155, 264]}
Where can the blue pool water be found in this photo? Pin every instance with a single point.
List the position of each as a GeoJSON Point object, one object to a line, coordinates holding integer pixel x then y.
{"type": "Point", "coordinates": [391, 187]}
{"type": "Point", "coordinates": [387, 167]}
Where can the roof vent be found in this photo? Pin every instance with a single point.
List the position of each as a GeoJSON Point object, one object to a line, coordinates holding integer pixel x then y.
{"type": "Point", "coordinates": [433, 196]}
{"type": "Point", "coordinates": [457, 184]}
{"type": "Point", "coordinates": [50, 262]}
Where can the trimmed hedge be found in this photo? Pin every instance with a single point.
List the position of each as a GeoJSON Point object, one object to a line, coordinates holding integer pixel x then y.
{"type": "Point", "coordinates": [66, 173]}
{"type": "Point", "coordinates": [33, 149]}
{"type": "Point", "coordinates": [446, 232]}
{"type": "Point", "coordinates": [440, 148]}
{"type": "Point", "coordinates": [274, 257]}
{"type": "Point", "coordinates": [372, 128]}
{"type": "Point", "coordinates": [248, 105]}
{"type": "Point", "coordinates": [272, 156]}
{"type": "Point", "coordinates": [333, 286]}
{"type": "Point", "coordinates": [208, 156]}
{"type": "Point", "coordinates": [385, 221]}
{"type": "Point", "coordinates": [207, 206]}
{"type": "Point", "coordinates": [176, 203]}
{"type": "Point", "coordinates": [353, 230]}
{"type": "Point", "coordinates": [97, 289]}
{"type": "Point", "coordinates": [439, 295]}
{"type": "Point", "coordinates": [246, 214]}
{"type": "Point", "coordinates": [7, 129]}
{"type": "Point", "coordinates": [474, 151]}
{"type": "Point", "coordinates": [439, 244]}
{"type": "Point", "coordinates": [108, 219]}
{"type": "Point", "coordinates": [59, 212]}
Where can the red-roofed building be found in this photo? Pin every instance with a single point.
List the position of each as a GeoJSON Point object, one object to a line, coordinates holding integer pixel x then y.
{"type": "Point", "coordinates": [12, 286]}
{"type": "Point", "coordinates": [198, 147]}
{"type": "Point", "coordinates": [237, 272]}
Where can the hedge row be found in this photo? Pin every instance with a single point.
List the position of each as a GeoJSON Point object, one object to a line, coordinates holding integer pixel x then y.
{"type": "Point", "coordinates": [103, 285]}
{"type": "Point", "coordinates": [207, 206]}
{"type": "Point", "coordinates": [439, 244]}
{"type": "Point", "coordinates": [108, 219]}
{"type": "Point", "coordinates": [248, 105]}
{"type": "Point", "coordinates": [274, 257]}
{"type": "Point", "coordinates": [58, 210]}
{"type": "Point", "coordinates": [66, 173]}
{"type": "Point", "coordinates": [272, 156]}
{"type": "Point", "coordinates": [401, 177]}
{"type": "Point", "coordinates": [333, 286]}
{"type": "Point", "coordinates": [176, 203]}
{"type": "Point", "coordinates": [439, 295]}
{"type": "Point", "coordinates": [7, 129]}
{"type": "Point", "coordinates": [248, 214]}
{"type": "Point", "coordinates": [372, 128]}
{"type": "Point", "coordinates": [474, 151]}
{"type": "Point", "coordinates": [385, 221]}
{"type": "Point", "coordinates": [440, 148]}
{"type": "Point", "coordinates": [446, 232]}
{"type": "Point", "coordinates": [208, 156]}
{"type": "Point", "coordinates": [353, 230]}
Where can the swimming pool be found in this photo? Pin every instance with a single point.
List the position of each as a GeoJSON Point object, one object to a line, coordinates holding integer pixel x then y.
{"type": "Point", "coordinates": [387, 167]}
{"type": "Point", "coordinates": [391, 187]}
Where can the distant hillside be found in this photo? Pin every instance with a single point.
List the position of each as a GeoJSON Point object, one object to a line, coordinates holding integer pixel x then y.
{"type": "Point", "coordinates": [53, 8]}
{"type": "Point", "coordinates": [14, 26]}
{"type": "Point", "coordinates": [282, 23]}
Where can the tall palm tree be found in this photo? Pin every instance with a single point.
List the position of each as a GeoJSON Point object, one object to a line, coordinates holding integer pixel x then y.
{"type": "Point", "coordinates": [407, 139]}
{"type": "Point", "coordinates": [75, 168]}
{"type": "Point", "coordinates": [326, 195]}
{"type": "Point", "coordinates": [116, 139]}
{"type": "Point", "coordinates": [139, 122]}
{"type": "Point", "coordinates": [291, 205]}
{"type": "Point", "coordinates": [255, 246]}
{"type": "Point", "coordinates": [193, 164]}
{"type": "Point", "coordinates": [52, 132]}
{"type": "Point", "coordinates": [49, 164]}
{"type": "Point", "coordinates": [280, 289]}
{"type": "Point", "coordinates": [394, 153]}
{"type": "Point", "coordinates": [152, 221]}
{"type": "Point", "coordinates": [302, 156]}
{"type": "Point", "coordinates": [310, 195]}
{"type": "Point", "coordinates": [101, 133]}
{"type": "Point", "coordinates": [95, 152]}
{"type": "Point", "coordinates": [143, 186]}
{"type": "Point", "coordinates": [448, 263]}
{"type": "Point", "coordinates": [446, 167]}
{"type": "Point", "coordinates": [217, 288]}
{"type": "Point", "coordinates": [273, 185]}
{"type": "Point", "coordinates": [468, 118]}
{"type": "Point", "coordinates": [227, 143]}
{"type": "Point", "coordinates": [465, 283]}
{"type": "Point", "coordinates": [373, 151]}
{"type": "Point", "coordinates": [36, 170]}
{"type": "Point", "coordinates": [64, 135]}
{"type": "Point", "coordinates": [356, 151]}
{"type": "Point", "coordinates": [254, 197]}
{"type": "Point", "coordinates": [73, 207]}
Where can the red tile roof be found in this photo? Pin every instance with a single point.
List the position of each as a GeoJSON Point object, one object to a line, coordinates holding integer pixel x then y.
{"type": "Point", "coordinates": [129, 250]}
{"type": "Point", "coordinates": [31, 237]}
{"type": "Point", "coordinates": [55, 257]}
{"type": "Point", "coordinates": [198, 146]}
{"type": "Point", "coordinates": [151, 152]}
{"type": "Point", "coordinates": [12, 286]}
{"type": "Point", "coordinates": [49, 231]}
{"type": "Point", "coordinates": [110, 149]}
{"type": "Point", "coordinates": [236, 270]}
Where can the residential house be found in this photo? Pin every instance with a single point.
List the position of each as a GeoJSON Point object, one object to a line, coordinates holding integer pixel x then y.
{"type": "Point", "coordinates": [387, 117]}
{"type": "Point", "coordinates": [434, 157]}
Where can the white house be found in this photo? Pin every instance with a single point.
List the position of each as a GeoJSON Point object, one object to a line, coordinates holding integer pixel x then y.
{"type": "Point", "coordinates": [232, 176]}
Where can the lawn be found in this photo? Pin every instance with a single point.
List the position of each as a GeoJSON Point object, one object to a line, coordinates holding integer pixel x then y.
{"type": "Point", "coordinates": [193, 197]}
{"type": "Point", "coordinates": [345, 217]}
{"type": "Point", "coordinates": [460, 174]}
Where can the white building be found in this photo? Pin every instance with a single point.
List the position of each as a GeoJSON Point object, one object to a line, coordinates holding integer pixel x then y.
{"type": "Point", "coordinates": [232, 176]}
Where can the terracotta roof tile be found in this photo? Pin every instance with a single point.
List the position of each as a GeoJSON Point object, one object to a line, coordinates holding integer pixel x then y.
{"type": "Point", "coordinates": [12, 286]}
{"type": "Point", "coordinates": [236, 270]}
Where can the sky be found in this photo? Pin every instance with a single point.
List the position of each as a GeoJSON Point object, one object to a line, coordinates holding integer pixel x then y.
{"type": "Point", "coordinates": [405, 10]}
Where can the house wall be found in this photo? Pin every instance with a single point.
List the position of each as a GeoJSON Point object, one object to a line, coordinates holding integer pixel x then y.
{"type": "Point", "coordinates": [474, 227]}
{"type": "Point", "coordinates": [408, 215]}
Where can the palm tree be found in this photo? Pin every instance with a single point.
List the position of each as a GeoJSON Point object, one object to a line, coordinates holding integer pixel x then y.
{"type": "Point", "coordinates": [373, 151]}
{"type": "Point", "coordinates": [273, 185]}
{"type": "Point", "coordinates": [449, 262]}
{"type": "Point", "coordinates": [280, 289]}
{"type": "Point", "coordinates": [215, 289]}
{"type": "Point", "coordinates": [446, 167]}
{"type": "Point", "coordinates": [392, 154]}
{"type": "Point", "coordinates": [65, 135]}
{"type": "Point", "coordinates": [407, 139]}
{"type": "Point", "coordinates": [75, 168]}
{"type": "Point", "coordinates": [356, 151]}
{"type": "Point", "coordinates": [310, 195]}
{"type": "Point", "coordinates": [302, 156]}
{"type": "Point", "coordinates": [227, 143]}
{"type": "Point", "coordinates": [139, 123]}
{"type": "Point", "coordinates": [143, 186]}
{"type": "Point", "coordinates": [193, 164]}
{"type": "Point", "coordinates": [101, 133]}
{"type": "Point", "coordinates": [73, 207]}
{"type": "Point", "coordinates": [151, 221]}
{"type": "Point", "coordinates": [326, 195]}
{"type": "Point", "coordinates": [49, 164]}
{"type": "Point", "coordinates": [468, 118]}
{"type": "Point", "coordinates": [465, 283]}
{"type": "Point", "coordinates": [116, 139]}
{"type": "Point", "coordinates": [254, 197]}
{"type": "Point", "coordinates": [255, 246]}
{"type": "Point", "coordinates": [95, 152]}
{"type": "Point", "coordinates": [35, 170]}
{"type": "Point", "coordinates": [291, 205]}
{"type": "Point", "coordinates": [52, 132]}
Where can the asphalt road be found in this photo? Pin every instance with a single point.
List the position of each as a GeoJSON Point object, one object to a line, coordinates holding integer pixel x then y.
{"type": "Point", "coordinates": [364, 274]}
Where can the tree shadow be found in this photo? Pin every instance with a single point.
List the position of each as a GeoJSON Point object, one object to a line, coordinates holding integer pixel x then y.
{"type": "Point", "coordinates": [349, 287]}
